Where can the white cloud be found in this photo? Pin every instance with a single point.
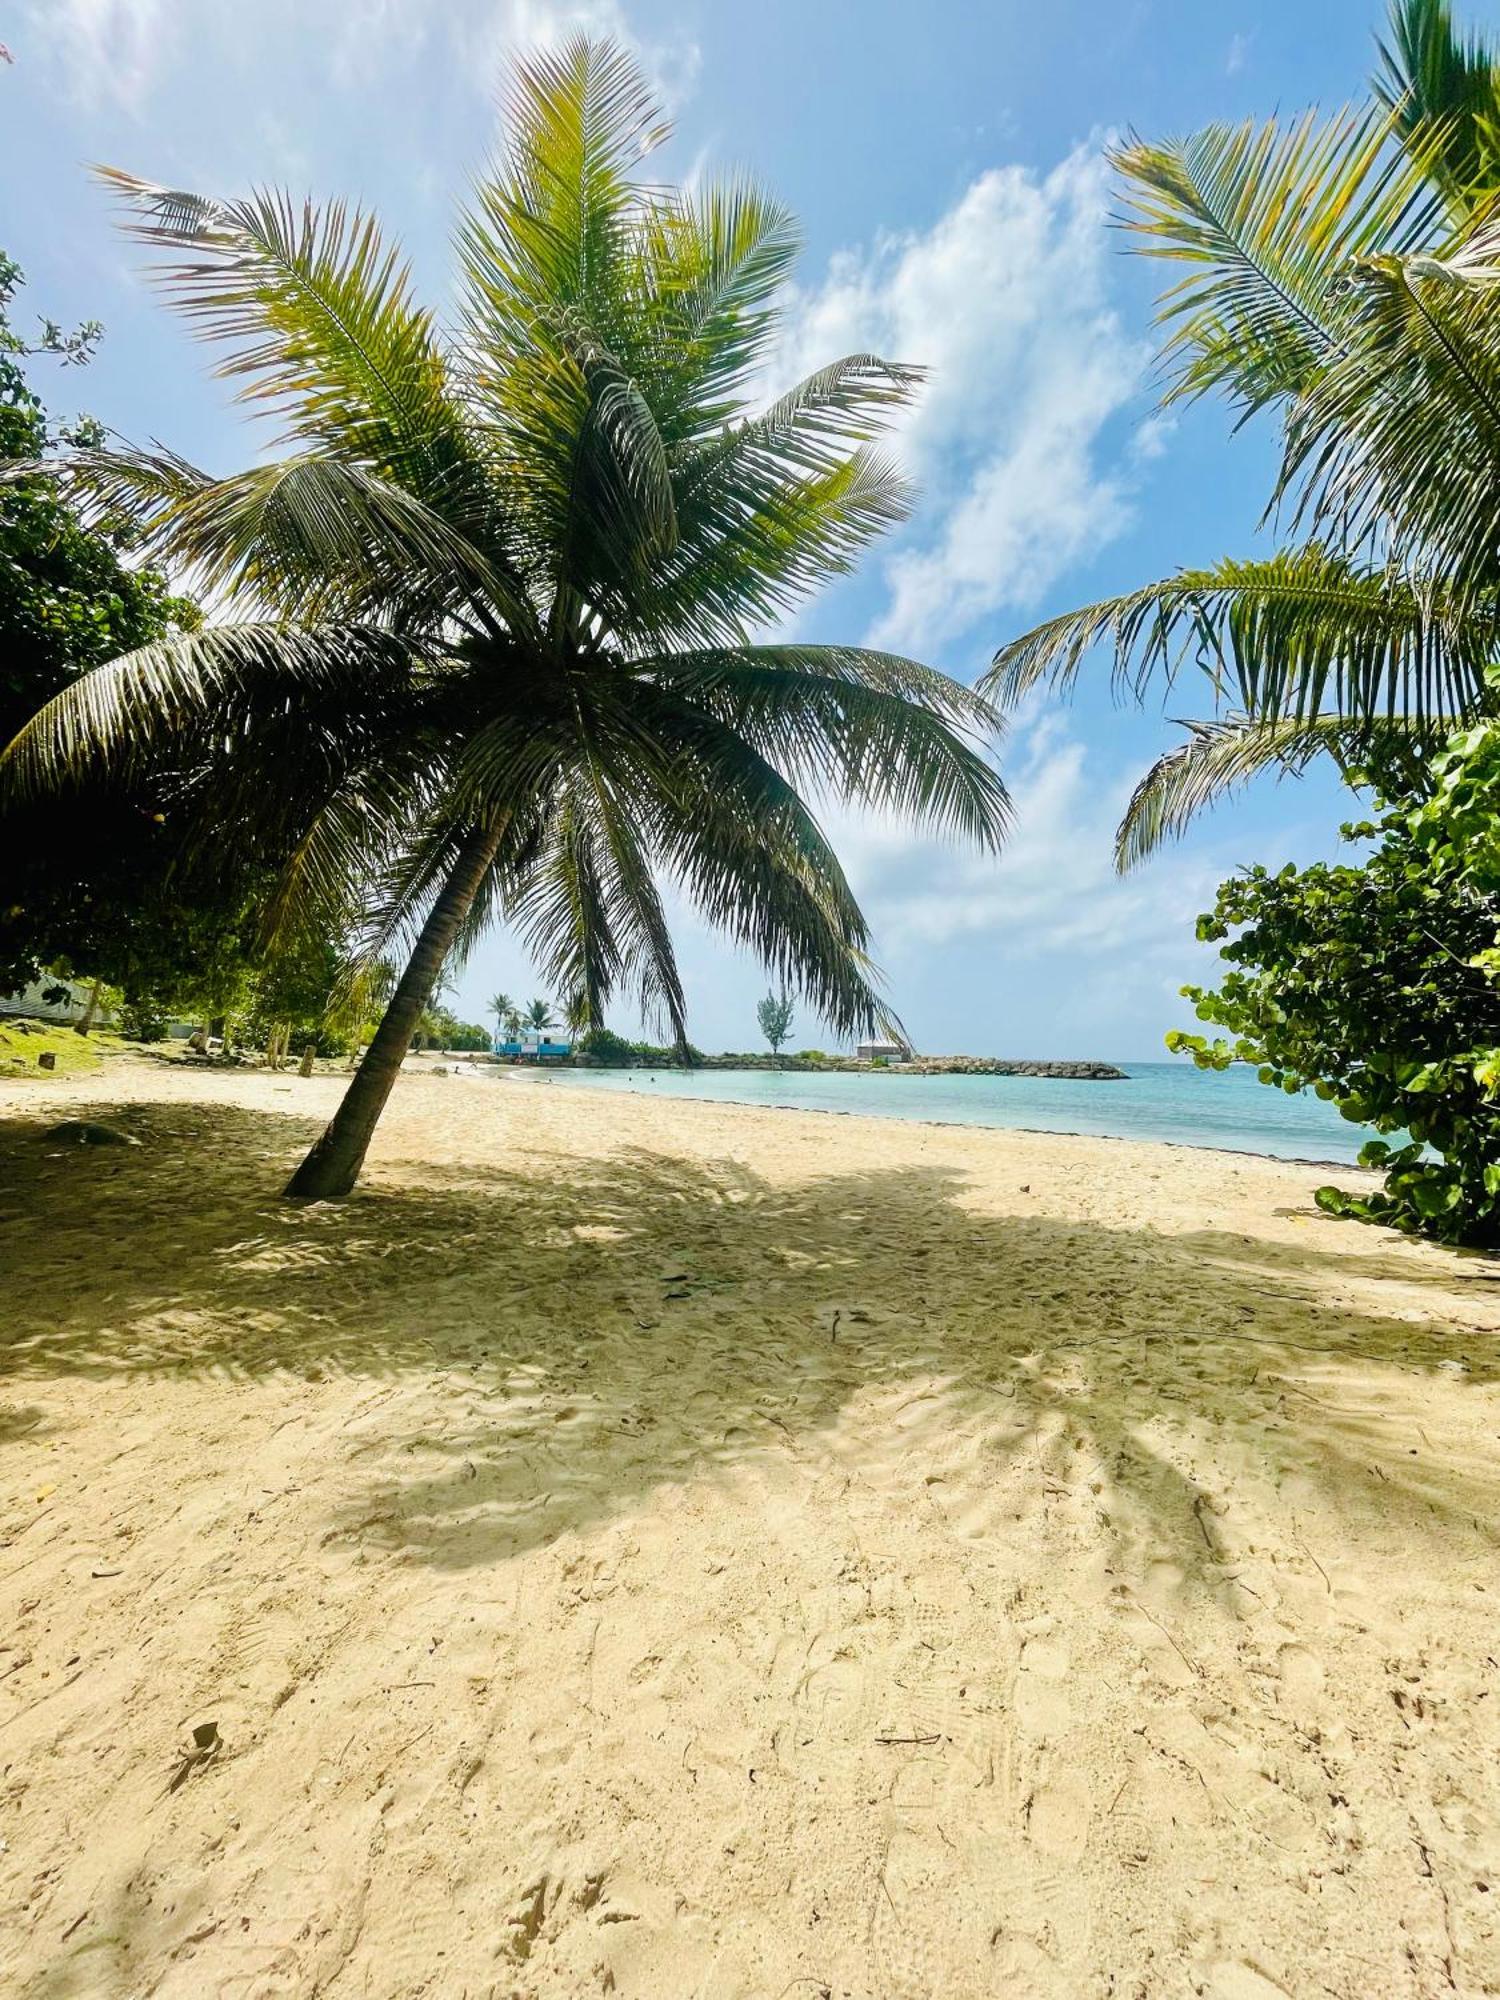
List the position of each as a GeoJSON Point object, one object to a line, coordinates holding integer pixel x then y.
{"type": "Point", "coordinates": [1005, 301]}
{"type": "Point", "coordinates": [1053, 891]}
{"type": "Point", "coordinates": [105, 48]}
{"type": "Point", "coordinates": [486, 33]}
{"type": "Point", "coordinates": [119, 49]}
{"type": "Point", "coordinates": [1239, 49]}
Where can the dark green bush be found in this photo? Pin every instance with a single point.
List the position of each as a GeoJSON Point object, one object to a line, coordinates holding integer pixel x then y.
{"type": "Point", "coordinates": [1375, 984]}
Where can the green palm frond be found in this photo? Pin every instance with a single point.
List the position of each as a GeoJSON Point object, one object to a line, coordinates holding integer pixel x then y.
{"type": "Point", "coordinates": [719, 258]}
{"type": "Point", "coordinates": [1398, 443]}
{"type": "Point", "coordinates": [1221, 756]}
{"type": "Point", "coordinates": [319, 537]}
{"type": "Point", "coordinates": [1283, 638]}
{"type": "Point", "coordinates": [862, 724]}
{"type": "Point", "coordinates": [1268, 218]}
{"type": "Point", "coordinates": [316, 313]}
{"type": "Point", "coordinates": [1443, 90]}
{"type": "Point", "coordinates": [209, 692]}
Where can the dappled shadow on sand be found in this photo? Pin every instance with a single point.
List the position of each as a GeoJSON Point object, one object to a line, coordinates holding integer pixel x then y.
{"type": "Point", "coordinates": [572, 1342]}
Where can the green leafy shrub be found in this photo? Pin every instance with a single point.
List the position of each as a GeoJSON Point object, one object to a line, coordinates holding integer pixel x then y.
{"type": "Point", "coordinates": [1377, 985]}
{"type": "Point", "coordinates": [142, 1020]}
{"type": "Point", "coordinates": [601, 1045]}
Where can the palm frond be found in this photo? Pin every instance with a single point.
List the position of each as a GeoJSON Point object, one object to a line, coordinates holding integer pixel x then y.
{"type": "Point", "coordinates": [1221, 756]}
{"type": "Point", "coordinates": [1398, 443]}
{"type": "Point", "coordinates": [864, 725]}
{"type": "Point", "coordinates": [208, 695]}
{"type": "Point", "coordinates": [1283, 637]}
{"type": "Point", "coordinates": [318, 537]}
{"type": "Point", "coordinates": [1443, 91]}
{"type": "Point", "coordinates": [1268, 218]}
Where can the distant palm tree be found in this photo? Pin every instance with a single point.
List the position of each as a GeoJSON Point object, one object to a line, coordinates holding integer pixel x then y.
{"type": "Point", "coordinates": [539, 1016]}
{"type": "Point", "coordinates": [576, 1016]}
{"type": "Point", "coordinates": [1341, 273]}
{"type": "Point", "coordinates": [502, 1007]}
{"type": "Point", "coordinates": [508, 579]}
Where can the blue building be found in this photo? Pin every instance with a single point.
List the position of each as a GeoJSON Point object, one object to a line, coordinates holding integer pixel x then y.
{"type": "Point", "coordinates": [533, 1047]}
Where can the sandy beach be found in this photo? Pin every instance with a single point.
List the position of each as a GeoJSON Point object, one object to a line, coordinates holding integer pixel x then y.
{"type": "Point", "coordinates": [672, 1549]}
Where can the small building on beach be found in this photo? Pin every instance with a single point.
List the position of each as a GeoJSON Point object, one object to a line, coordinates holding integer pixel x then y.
{"type": "Point", "coordinates": [882, 1051]}
{"type": "Point", "coordinates": [533, 1046]}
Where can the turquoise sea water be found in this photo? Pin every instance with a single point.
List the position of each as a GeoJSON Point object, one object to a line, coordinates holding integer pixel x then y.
{"type": "Point", "coordinates": [1161, 1100]}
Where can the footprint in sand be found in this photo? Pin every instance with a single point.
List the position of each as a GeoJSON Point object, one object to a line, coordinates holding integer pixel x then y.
{"type": "Point", "coordinates": [1058, 1816]}
{"type": "Point", "coordinates": [1300, 1674]}
{"type": "Point", "coordinates": [1042, 1704]}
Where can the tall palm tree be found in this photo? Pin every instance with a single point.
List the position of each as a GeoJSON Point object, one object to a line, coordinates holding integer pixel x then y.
{"type": "Point", "coordinates": [1340, 273]}
{"type": "Point", "coordinates": [538, 1016]}
{"type": "Point", "coordinates": [504, 584]}
{"type": "Point", "coordinates": [502, 1007]}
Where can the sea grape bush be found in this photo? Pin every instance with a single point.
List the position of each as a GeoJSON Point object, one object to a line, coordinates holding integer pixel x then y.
{"type": "Point", "coordinates": [1377, 985]}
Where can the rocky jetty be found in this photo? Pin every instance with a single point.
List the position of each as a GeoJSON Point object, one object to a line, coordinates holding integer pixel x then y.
{"type": "Point", "coordinates": [1088, 1072]}
{"type": "Point", "coordinates": [1083, 1072]}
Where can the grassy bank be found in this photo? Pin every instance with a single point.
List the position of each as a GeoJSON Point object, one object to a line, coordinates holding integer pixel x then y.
{"type": "Point", "coordinates": [23, 1043]}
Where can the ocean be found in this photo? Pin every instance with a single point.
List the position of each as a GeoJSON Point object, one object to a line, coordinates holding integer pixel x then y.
{"type": "Point", "coordinates": [1171, 1101]}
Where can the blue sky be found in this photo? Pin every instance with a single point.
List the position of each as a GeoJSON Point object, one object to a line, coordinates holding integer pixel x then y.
{"type": "Point", "coordinates": [946, 163]}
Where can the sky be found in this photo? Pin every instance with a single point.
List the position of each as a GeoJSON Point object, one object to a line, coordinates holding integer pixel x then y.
{"type": "Point", "coordinates": [948, 165]}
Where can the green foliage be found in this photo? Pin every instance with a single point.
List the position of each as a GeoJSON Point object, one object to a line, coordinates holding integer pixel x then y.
{"type": "Point", "coordinates": [774, 1015]}
{"type": "Point", "coordinates": [1377, 984]}
{"type": "Point", "coordinates": [1338, 274]}
{"type": "Point", "coordinates": [143, 1021]}
{"type": "Point", "coordinates": [442, 1029]}
{"type": "Point", "coordinates": [82, 888]}
{"type": "Point", "coordinates": [67, 599]}
{"type": "Point", "coordinates": [602, 1045]}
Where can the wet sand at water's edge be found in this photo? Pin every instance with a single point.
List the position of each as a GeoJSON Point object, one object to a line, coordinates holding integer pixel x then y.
{"type": "Point", "coordinates": [677, 1549]}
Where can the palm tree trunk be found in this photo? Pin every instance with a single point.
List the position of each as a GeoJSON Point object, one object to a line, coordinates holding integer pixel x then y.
{"type": "Point", "coordinates": [91, 1010]}
{"type": "Point", "coordinates": [333, 1165]}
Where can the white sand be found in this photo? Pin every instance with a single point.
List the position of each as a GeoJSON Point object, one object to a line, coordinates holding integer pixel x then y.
{"type": "Point", "coordinates": [1014, 1566]}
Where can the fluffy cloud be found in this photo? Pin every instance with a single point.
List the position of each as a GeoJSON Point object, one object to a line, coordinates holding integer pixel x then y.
{"type": "Point", "coordinates": [1054, 890]}
{"type": "Point", "coordinates": [491, 29]}
{"type": "Point", "coordinates": [1005, 300]}
{"type": "Point", "coordinates": [119, 49]}
{"type": "Point", "coordinates": [105, 48]}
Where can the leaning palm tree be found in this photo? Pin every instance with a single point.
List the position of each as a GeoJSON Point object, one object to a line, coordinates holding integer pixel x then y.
{"type": "Point", "coordinates": [497, 656]}
{"type": "Point", "coordinates": [1341, 274]}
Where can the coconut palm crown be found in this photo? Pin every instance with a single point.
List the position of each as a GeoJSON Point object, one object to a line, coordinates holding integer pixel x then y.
{"type": "Point", "coordinates": [498, 598]}
{"type": "Point", "coordinates": [1342, 274]}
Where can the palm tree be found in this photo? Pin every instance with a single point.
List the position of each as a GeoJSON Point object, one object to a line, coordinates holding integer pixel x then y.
{"type": "Point", "coordinates": [538, 1017]}
{"type": "Point", "coordinates": [576, 1016]}
{"type": "Point", "coordinates": [504, 585]}
{"type": "Point", "coordinates": [1341, 274]}
{"type": "Point", "coordinates": [502, 1007]}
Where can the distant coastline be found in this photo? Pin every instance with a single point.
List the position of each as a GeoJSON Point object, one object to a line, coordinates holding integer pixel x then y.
{"type": "Point", "coordinates": [1078, 1072]}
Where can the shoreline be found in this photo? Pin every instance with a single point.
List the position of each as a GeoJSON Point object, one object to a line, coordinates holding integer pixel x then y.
{"type": "Point", "coordinates": [973, 1125]}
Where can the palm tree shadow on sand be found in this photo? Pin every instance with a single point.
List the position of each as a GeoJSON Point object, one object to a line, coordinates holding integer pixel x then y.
{"type": "Point", "coordinates": [569, 1344]}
